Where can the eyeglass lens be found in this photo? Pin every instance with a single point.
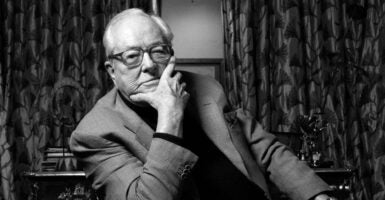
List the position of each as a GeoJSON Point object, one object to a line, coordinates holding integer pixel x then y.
{"type": "Point", "coordinates": [159, 54]}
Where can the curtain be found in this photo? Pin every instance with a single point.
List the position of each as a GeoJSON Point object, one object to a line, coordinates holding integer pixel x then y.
{"type": "Point", "coordinates": [286, 58]}
{"type": "Point", "coordinates": [52, 73]}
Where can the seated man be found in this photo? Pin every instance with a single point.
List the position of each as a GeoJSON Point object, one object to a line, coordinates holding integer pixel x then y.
{"type": "Point", "coordinates": [160, 135]}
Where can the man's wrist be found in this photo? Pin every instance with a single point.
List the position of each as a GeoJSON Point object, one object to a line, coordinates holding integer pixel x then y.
{"type": "Point", "coordinates": [171, 112]}
{"type": "Point", "coordinates": [170, 125]}
{"type": "Point", "coordinates": [173, 139]}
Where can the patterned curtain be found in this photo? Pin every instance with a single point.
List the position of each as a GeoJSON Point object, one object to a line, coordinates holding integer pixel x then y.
{"type": "Point", "coordinates": [51, 74]}
{"type": "Point", "coordinates": [286, 58]}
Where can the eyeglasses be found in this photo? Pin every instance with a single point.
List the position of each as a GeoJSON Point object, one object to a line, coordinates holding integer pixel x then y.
{"type": "Point", "coordinates": [133, 57]}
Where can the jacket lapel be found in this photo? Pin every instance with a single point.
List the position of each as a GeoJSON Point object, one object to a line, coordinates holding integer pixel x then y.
{"type": "Point", "coordinates": [134, 123]}
{"type": "Point", "coordinates": [214, 125]}
{"type": "Point", "coordinates": [229, 140]}
{"type": "Point", "coordinates": [241, 144]}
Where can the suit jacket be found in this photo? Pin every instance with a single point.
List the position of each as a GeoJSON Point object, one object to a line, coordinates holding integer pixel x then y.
{"type": "Point", "coordinates": [120, 156]}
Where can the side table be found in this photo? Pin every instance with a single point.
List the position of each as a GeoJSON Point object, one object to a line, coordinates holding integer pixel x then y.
{"type": "Point", "coordinates": [340, 181]}
{"type": "Point", "coordinates": [66, 185]}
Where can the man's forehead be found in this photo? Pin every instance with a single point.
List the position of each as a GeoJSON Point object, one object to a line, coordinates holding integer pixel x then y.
{"type": "Point", "coordinates": [135, 31]}
{"type": "Point", "coordinates": [132, 19]}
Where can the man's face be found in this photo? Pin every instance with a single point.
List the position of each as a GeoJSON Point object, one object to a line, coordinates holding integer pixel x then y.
{"type": "Point", "coordinates": [143, 33]}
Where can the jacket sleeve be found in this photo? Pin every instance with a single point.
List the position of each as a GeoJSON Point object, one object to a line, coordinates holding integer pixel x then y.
{"type": "Point", "coordinates": [119, 174]}
{"type": "Point", "coordinates": [283, 168]}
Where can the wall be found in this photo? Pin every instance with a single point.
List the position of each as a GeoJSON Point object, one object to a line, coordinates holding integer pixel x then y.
{"type": "Point", "coordinates": [197, 27]}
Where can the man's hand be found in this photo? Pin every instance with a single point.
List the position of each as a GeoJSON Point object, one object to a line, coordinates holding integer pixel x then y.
{"type": "Point", "coordinates": [169, 99]}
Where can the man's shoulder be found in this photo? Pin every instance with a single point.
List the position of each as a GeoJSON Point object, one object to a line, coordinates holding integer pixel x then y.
{"type": "Point", "coordinates": [198, 79]}
{"type": "Point", "coordinates": [201, 86]}
{"type": "Point", "coordinates": [204, 83]}
{"type": "Point", "coordinates": [102, 114]}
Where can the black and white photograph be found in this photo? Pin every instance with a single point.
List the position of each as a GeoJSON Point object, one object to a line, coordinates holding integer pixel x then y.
{"type": "Point", "coordinates": [192, 100]}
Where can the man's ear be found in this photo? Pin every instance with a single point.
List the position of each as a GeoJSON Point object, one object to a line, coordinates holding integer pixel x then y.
{"type": "Point", "coordinates": [110, 69]}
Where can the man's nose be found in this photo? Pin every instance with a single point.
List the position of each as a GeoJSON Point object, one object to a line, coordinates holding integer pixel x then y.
{"type": "Point", "coordinates": [148, 65]}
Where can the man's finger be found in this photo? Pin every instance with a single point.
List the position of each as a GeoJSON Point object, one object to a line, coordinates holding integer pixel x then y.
{"type": "Point", "coordinates": [170, 67]}
{"type": "Point", "coordinates": [182, 85]}
{"type": "Point", "coordinates": [138, 97]}
{"type": "Point", "coordinates": [185, 95]}
{"type": "Point", "coordinates": [178, 76]}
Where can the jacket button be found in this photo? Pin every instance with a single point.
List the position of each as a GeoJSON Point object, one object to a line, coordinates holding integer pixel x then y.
{"type": "Point", "coordinates": [188, 167]}
{"type": "Point", "coordinates": [184, 172]}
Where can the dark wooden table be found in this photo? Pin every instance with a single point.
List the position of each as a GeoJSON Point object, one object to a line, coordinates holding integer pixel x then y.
{"type": "Point", "coordinates": [60, 185]}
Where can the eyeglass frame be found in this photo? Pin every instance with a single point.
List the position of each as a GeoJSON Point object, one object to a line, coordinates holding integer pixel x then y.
{"type": "Point", "coordinates": [118, 56]}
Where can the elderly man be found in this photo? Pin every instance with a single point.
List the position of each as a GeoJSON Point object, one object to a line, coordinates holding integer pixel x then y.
{"type": "Point", "coordinates": [160, 135]}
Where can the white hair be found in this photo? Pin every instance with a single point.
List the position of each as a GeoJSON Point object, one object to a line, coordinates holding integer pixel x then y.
{"type": "Point", "coordinates": [107, 37]}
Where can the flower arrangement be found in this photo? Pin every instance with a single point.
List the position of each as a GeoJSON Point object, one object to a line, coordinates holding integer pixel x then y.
{"type": "Point", "coordinates": [310, 128]}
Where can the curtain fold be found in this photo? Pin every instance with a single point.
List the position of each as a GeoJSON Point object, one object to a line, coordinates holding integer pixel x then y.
{"type": "Point", "coordinates": [298, 57]}
{"type": "Point", "coordinates": [52, 72]}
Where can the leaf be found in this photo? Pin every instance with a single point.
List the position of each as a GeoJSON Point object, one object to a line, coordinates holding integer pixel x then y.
{"type": "Point", "coordinates": [18, 61]}
{"type": "Point", "coordinates": [284, 78]}
{"type": "Point", "coordinates": [91, 56]}
{"type": "Point", "coordinates": [89, 27]}
{"type": "Point", "coordinates": [327, 30]}
{"type": "Point", "coordinates": [293, 98]}
{"type": "Point", "coordinates": [68, 61]}
{"type": "Point", "coordinates": [349, 34]}
{"type": "Point", "coordinates": [74, 53]}
{"type": "Point", "coordinates": [383, 171]}
{"type": "Point", "coordinates": [98, 35]}
{"type": "Point", "coordinates": [315, 99]}
{"type": "Point", "coordinates": [31, 57]}
{"type": "Point", "coordinates": [288, 4]}
{"type": "Point", "coordinates": [247, 40]}
{"type": "Point", "coordinates": [379, 149]}
{"type": "Point", "coordinates": [327, 5]}
{"type": "Point", "coordinates": [383, 60]}
{"type": "Point", "coordinates": [46, 21]}
{"type": "Point", "coordinates": [33, 34]}
{"type": "Point", "coordinates": [31, 77]}
{"type": "Point", "coordinates": [282, 53]}
{"type": "Point", "coordinates": [92, 82]}
{"type": "Point", "coordinates": [97, 8]}
{"type": "Point", "coordinates": [381, 93]}
{"type": "Point", "coordinates": [45, 118]}
{"type": "Point", "coordinates": [279, 21]}
{"type": "Point", "coordinates": [365, 95]}
{"type": "Point", "coordinates": [291, 30]}
{"type": "Point", "coordinates": [280, 118]}
{"type": "Point", "coordinates": [330, 116]}
{"type": "Point", "coordinates": [356, 11]}
{"type": "Point", "coordinates": [72, 11]}
{"type": "Point", "coordinates": [307, 9]}
{"type": "Point", "coordinates": [74, 35]}
{"type": "Point", "coordinates": [378, 187]}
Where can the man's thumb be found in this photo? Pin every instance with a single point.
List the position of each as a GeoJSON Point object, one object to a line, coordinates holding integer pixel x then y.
{"type": "Point", "coordinates": [138, 97]}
